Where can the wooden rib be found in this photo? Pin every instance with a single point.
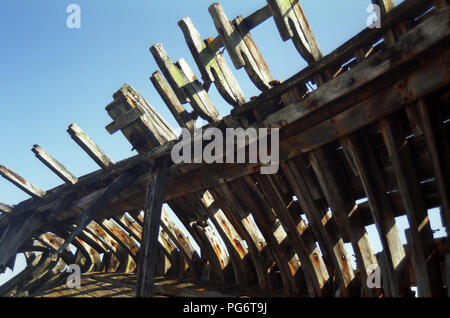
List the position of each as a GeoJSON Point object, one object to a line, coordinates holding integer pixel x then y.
{"type": "Point", "coordinates": [166, 92]}
{"type": "Point", "coordinates": [178, 263]}
{"type": "Point", "coordinates": [255, 204]}
{"type": "Point", "coordinates": [54, 165]}
{"type": "Point", "coordinates": [191, 214]}
{"type": "Point", "coordinates": [130, 225]}
{"type": "Point", "coordinates": [422, 243]}
{"type": "Point", "coordinates": [394, 255]}
{"type": "Point", "coordinates": [212, 65]}
{"type": "Point", "coordinates": [362, 73]}
{"type": "Point", "coordinates": [232, 240]}
{"type": "Point", "coordinates": [116, 257]}
{"type": "Point", "coordinates": [118, 185]}
{"type": "Point", "coordinates": [121, 237]}
{"type": "Point", "coordinates": [337, 192]}
{"type": "Point", "coordinates": [329, 237]}
{"type": "Point", "coordinates": [89, 146]}
{"type": "Point", "coordinates": [247, 229]}
{"type": "Point", "coordinates": [430, 78]}
{"type": "Point", "coordinates": [152, 220]}
{"type": "Point", "coordinates": [438, 146]}
{"type": "Point", "coordinates": [292, 24]}
{"type": "Point", "coordinates": [310, 257]}
{"type": "Point", "coordinates": [241, 48]}
{"type": "Point", "coordinates": [182, 243]}
{"type": "Point", "coordinates": [184, 83]}
{"type": "Point", "coordinates": [21, 183]}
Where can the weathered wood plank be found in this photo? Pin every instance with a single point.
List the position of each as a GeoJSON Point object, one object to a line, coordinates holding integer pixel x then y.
{"type": "Point", "coordinates": [182, 243]}
{"type": "Point", "coordinates": [411, 43]}
{"type": "Point", "coordinates": [183, 118]}
{"type": "Point", "coordinates": [21, 183]}
{"type": "Point", "coordinates": [212, 65]}
{"type": "Point", "coordinates": [316, 276]}
{"type": "Point", "coordinates": [241, 48]}
{"type": "Point", "coordinates": [329, 237]}
{"type": "Point", "coordinates": [422, 243]}
{"type": "Point", "coordinates": [215, 259]}
{"type": "Point", "coordinates": [246, 228]}
{"type": "Point", "coordinates": [337, 191]}
{"type": "Point", "coordinates": [114, 189]}
{"type": "Point", "coordinates": [272, 231]}
{"type": "Point", "coordinates": [148, 131]}
{"type": "Point", "coordinates": [5, 208]}
{"type": "Point", "coordinates": [184, 83]}
{"type": "Point", "coordinates": [439, 148]}
{"type": "Point", "coordinates": [89, 146]}
{"type": "Point", "coordinates": [406, 10]}
{"type": "Point", "coordinates": [152, 220]}
{"type": "Point", "coordinates": [124, 120]}
{"type": "Point", "coordinates": [360, 151]}
{"type": "Point", "coordinates": [14, 237]}
{"type": "Point", "coordinates": [292, 24]}
{"type": "Point", "coordinates": [232, 240]}
{"type": "Point", "coordinates": [54, 165]}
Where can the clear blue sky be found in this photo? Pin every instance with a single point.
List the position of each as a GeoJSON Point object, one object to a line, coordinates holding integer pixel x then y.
{"type": "Point", "coordinates": [52, 76]}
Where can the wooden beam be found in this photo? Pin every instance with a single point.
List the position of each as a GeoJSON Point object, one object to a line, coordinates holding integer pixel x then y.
{"type": "Point", "coordinates": [273, 233]}
{"type": "Point", "coordinates": [148, 131]}
{"type": "Point", "coordinates": [14, 237]}
{"type": "Point", "coordinates": [437, 143]}
{"type": "Point", "coordinates": [183, 118]}
{"type": "Point", "coordinates": [125, 120]}
{"type": "Point", "coordinates": [212, 65]}
{"type": "Point", "coordinates": [431, 31]}
{"type": "Point", "coordinates": [406, 10]}
{"type": "Point", "coordinates": [112, 191]}
{"type": "Point", "coordinates": [421, 81]}
{"type": "Point", "coordinates": [246, 228]}
{"type": "Point", "coordinates": [421, 235]}
{"type": "Point", "coordinates": [5, 208]}
{"type": "Point", "coordinates": [21, 183]}
{"type": "Point", "coordinates": [311, 260]}
{"type": "Point", "coordinates": [337, 191]}
{"type": "Point", "coordinates": [364, 159]}
{"type": "Point", "coordinates": [241, 48]}
{"type": "Point", "coordinates": [316, 210]}
{"type": "Point", "coordinates": [54, 165]}
{"type": "Point", "coordinates": [89, 146]}
{"type": "Point", "coordinates": [232, 240]}
{"type": "Point", "coordinates": [184, 83]}
{"type": "Point", "coordinates": [152, 219]}
{"type": "Point", "coordinates": [292, 24]}
{"type": "Point", "coordinates": [182, 242]}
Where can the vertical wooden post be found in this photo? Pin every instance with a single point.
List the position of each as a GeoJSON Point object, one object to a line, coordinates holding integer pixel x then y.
{"type": "Point", "coordinates": [381, 208]}
{"type": "Point", "coordinates": [152, 219]}
{"type": "Point", "coordinates": [421, 235]}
